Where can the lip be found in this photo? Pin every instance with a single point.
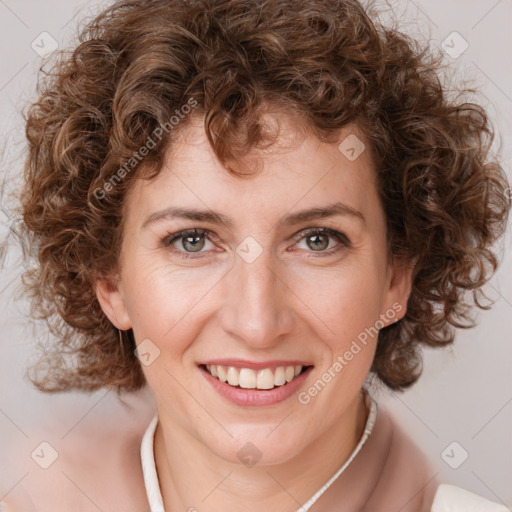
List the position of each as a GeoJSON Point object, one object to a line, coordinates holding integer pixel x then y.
{"type": "Point", "coordinates": [242, 363]}
{"type": "Point", "coordinates": [255, 397]}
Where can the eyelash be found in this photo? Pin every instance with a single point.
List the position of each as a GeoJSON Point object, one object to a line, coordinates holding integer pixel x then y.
{"type": "Point", "coordinates": [344, 241]}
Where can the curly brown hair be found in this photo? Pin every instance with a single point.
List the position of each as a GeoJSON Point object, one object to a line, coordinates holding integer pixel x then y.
{"type": "Point", "coordinates": [324, 61]}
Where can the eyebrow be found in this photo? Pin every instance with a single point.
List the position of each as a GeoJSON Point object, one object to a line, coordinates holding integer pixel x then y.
{"type": "Point", "coordinates": [290, 219]}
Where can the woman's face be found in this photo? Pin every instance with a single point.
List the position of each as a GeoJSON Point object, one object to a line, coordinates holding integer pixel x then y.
{"type": "Point", "coordinates": [257, 290]}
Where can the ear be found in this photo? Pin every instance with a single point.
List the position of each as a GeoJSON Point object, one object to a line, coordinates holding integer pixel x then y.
{"type": "Point", "coordinates": [398, 289]}
{"type": "Point", "coordinates": [111, 299]}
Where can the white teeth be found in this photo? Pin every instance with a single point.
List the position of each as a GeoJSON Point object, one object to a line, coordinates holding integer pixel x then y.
{"type": "Point", "coordinates": [247, 378]}
{"type": "Point", "coordinates": [265, 379]}
{"type": "Point", "coordinates": [233, 376]}
{"type": "Point", "coordinates": [222, 375]}
{"type": "Point", "coordinates": [279, 376]}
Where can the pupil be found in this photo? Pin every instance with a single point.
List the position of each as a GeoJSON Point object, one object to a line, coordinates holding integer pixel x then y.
{"type": "Point", "coordinates": [316, 245]}
{"type": "Point", "coordinates": [193, 240]}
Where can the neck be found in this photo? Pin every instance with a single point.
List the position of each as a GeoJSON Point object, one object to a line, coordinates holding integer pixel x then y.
{"type": "Point", "coordinates": [193, 478]}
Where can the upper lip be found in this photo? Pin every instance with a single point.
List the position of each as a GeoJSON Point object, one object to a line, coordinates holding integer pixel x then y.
{"type": "Point", "coordinates": [242, 363]}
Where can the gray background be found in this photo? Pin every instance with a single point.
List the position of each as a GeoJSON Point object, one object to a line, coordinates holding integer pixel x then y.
{"type": "Point", "coordinates": [465, 393]}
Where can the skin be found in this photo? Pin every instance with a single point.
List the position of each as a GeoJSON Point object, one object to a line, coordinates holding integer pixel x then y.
{"type": "Point", "coordinates": [98, 464]}
{"type": "Point", "coordinates": [292, 302]}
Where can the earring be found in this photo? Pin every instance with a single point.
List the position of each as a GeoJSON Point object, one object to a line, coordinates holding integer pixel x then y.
{"type": "Point", "coordinates": [121, 341]}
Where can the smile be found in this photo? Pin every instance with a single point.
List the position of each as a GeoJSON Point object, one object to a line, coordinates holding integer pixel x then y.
{"type": "Point", "coordinates": [247, 378]}
{"type": "Point", "coordinates": [252, 384]}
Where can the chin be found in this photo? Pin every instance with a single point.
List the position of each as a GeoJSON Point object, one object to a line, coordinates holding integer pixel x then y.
{"type": "Point", "coordinates": [249, 447]}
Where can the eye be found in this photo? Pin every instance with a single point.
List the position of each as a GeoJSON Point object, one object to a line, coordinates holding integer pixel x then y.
{"type": "Point", "coordinates": [192, 241]}
{"type": "Point", "coordinates": [318, 240]}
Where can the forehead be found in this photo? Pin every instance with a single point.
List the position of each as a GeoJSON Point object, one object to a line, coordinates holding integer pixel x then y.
{"type": "Point", "coordinates": [297, 172]}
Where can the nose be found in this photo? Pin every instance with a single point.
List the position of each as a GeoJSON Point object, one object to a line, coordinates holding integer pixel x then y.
{"type": "Point", "coordinates": [257, 306]}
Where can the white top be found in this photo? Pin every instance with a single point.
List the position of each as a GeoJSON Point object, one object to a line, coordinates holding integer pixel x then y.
{"type": "Point", "coordinates": [147, 456]}
{"type": "Point", "coordinates": [448, 498]}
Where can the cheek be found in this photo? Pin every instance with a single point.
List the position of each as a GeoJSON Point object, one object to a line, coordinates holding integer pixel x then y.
{"type": "Point", "coordinates": [347, 308]}
{"type": "Point", "coordinates": [345, 300]}
{"type": "Point", "coordinates": [163, 300]}
{"type": "Point", "coordinates": [347, 304]}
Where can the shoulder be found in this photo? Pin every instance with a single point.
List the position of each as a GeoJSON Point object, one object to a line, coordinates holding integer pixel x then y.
{"type": "Point", "coordinates": [88, 475]}
{"type": "Point", "coordinates": [407, 479]}
{"type": "Point", "coordinates": [450, 498]}
{"type": "Point", "coordinates": [96, 467]}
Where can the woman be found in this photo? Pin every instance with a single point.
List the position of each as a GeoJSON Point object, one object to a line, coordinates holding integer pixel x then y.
{"type": "Point", "coordinates": [253, 208]}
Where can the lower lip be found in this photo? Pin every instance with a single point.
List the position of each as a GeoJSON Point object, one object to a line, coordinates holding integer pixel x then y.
{"type": "Point", "coordinates": [256, 397]}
